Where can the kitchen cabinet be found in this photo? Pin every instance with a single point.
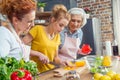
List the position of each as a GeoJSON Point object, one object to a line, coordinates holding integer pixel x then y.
{"type": "Point", "coordinates": [50, 3]}
{"type": "Point", "coordinates": [42, 17]}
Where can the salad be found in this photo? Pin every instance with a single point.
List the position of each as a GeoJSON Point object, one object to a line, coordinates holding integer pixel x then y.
{"type": "Point", "coordinates": [97, 66]}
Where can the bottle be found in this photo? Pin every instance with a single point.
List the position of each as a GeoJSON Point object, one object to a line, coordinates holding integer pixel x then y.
{"type": "Point", "coordinates": [107, 62]}
{"type": "Point", "coordinates": [115, 48]}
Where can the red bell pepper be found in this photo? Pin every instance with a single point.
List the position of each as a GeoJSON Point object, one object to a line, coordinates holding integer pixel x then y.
{"type": "Point", "coordinates": [21, 74]}
{"type": "Point", "coordinates": [86, 49]}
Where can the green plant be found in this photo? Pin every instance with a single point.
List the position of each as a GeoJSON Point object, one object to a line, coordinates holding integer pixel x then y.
{"type": "Point", "coordinates": [10, 64]}
{"type": "Point", "coordinates": [41, 4]}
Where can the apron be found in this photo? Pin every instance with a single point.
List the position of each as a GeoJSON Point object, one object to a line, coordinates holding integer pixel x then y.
{"type": "Point", "coordinates": [69, 49]}
{"type": "Point", "coordinates": [25, 49]}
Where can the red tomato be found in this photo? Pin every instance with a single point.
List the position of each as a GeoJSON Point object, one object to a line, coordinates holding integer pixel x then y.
{"type": "Point", "coordinates": [86, 49]}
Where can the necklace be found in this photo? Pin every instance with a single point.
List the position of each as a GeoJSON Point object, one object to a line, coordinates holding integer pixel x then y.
{"type": "Point", "coordinates": [51, 36]}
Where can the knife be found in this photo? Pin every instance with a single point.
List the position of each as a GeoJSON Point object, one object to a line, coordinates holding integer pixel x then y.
{"type": "Point", "coordinates": [53, 63]}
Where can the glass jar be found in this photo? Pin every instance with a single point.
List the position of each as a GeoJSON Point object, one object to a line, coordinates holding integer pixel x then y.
{"type": "Point", "coordinates": [72, 75]}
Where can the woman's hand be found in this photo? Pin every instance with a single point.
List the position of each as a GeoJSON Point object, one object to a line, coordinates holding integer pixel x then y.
{"type": "Point", "coordinates": [64, 63]}
{"type": "Point", "coordinates": [60, 62]}
{"type": "Point", "coordinates": [44, 59]}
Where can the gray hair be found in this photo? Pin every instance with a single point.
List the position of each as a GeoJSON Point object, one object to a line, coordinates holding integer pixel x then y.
{"type": "Point", "coordinates": [79, 11]}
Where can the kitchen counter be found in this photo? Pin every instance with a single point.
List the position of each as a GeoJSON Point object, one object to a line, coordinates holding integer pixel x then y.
{"type": "Point", "coordinates": [84, 73]}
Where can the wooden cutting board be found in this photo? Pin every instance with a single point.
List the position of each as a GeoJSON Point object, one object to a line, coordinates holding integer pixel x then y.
{"type": "Point", "coordinates": [62, 71]}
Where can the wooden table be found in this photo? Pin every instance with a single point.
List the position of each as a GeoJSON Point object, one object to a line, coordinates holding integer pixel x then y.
{"type": "Point", "coordinates": [84, 74]}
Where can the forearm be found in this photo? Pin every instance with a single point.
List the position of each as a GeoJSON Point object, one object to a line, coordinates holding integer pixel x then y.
{"type": "Point", "coordinates": [57, 59]}
{"type": "Point", "coordinates": [35, 53]}
{"type": "Point", "coordinates": [43, 58]}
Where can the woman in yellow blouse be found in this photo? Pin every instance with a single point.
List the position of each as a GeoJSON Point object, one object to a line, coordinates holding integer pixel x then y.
{"type": "Point", "coordinates": [46, 39]}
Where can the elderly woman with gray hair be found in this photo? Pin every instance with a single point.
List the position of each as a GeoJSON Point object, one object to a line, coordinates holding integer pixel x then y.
{"type": "Point", "coordinates": [71, 36]}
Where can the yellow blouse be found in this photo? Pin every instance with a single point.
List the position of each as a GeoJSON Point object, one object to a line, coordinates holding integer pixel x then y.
{"type": "Point", "coordinates": [43, 44]}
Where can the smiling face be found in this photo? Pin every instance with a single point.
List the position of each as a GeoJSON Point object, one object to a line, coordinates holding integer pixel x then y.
{"type": "Point", "coordinates": [25, 24]}
{"type": "Point", "coordinates": [75, 22]}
